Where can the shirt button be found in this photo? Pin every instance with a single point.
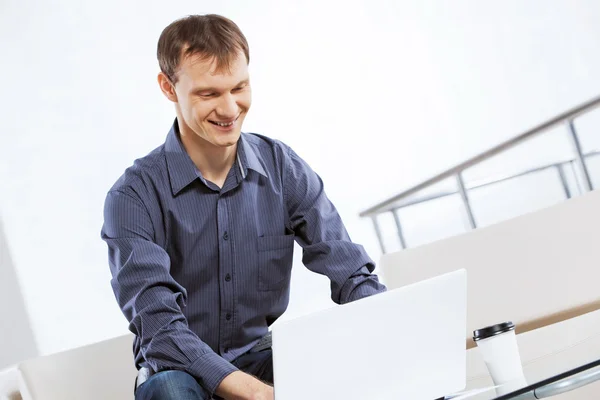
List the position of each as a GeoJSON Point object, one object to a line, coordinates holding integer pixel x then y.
{"type": "Point", "coordinates": [228, 278]}
{"type": "Point", "coordinates": [228, 316]}
{"type": "Point", "coordinates": [225, 236]}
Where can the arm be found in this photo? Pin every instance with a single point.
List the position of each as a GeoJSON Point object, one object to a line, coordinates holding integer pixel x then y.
{"type": "Point", "coordinates": [153, 301]}
{"type": "Point", "coordinates": [320, 231]}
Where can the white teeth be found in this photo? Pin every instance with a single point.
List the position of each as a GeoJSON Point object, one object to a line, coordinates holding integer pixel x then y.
{"type": "Point", "coordinates": [224, 124]}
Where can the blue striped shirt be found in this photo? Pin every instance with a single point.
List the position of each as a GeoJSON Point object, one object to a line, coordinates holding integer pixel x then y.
{"type": "Point", "coordinates": [201, 272]}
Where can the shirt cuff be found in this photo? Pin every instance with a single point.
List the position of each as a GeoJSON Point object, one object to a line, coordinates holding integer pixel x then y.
{"type": "Point", "coordinates": [368, 288]}
{"type": "Point", "coordinates": [210, 370]}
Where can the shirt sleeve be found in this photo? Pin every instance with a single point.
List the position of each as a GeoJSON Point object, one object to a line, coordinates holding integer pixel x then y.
{"type": "Point", "coordinates": [320, 231]}
{"type": "Point", "coordinates": [150, 298]}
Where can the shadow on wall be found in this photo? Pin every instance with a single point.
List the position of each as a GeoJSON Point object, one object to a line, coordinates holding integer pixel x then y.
{"type": "Point", "coordinates": [17, 342]}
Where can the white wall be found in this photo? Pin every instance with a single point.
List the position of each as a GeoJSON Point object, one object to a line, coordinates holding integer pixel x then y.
{"type": "Point", "coordinates": [16, 336]}
{"type": "Point", "coordinates": [376, 95]}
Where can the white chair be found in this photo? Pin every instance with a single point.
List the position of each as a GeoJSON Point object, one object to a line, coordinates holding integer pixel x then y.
{"type": "Point", "coordinates": [9, 384]}
{"type": "Point", "coordinates": [98, 371]}
{"type": "Point", "coordinates": [535, 270]}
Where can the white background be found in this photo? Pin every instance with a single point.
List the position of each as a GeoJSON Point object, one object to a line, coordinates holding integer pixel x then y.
{"type": "Point", "coordinates": [375, 95]}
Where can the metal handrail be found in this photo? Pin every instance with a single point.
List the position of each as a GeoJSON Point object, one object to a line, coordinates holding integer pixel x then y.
{"type": "Point", "coordinates": [562, 383]}
{"type": "Point", "coordinates": [394, 203]}
{"type": "Point", "coordinates": [488, 182]}
{"type": "Point", "coordinates": [567, 116]}
{"type": "Point", "coordinates": [568, 384]}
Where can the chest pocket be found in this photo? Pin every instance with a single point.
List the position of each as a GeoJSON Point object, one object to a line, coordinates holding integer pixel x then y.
{"type": "Point", "coordinates": [275, 257]}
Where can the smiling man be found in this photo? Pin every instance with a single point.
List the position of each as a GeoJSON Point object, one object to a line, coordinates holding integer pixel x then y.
{"type": "Point", "coordinates": [200, 232]}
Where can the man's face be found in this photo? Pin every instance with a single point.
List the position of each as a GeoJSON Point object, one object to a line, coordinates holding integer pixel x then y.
{"type": "Point", "coordinates": [213, 103]}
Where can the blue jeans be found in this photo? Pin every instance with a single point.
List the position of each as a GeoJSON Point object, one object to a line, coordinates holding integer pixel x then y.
{"type": "Point", "coordinates": [179, 385]}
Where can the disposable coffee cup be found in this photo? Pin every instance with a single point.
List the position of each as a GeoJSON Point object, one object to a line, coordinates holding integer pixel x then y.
{"type": "Point", "coordinates": [500, 352]}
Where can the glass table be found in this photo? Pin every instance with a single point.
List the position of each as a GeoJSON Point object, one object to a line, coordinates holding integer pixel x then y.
{"type": "Point", "coordinates": [558, 382]}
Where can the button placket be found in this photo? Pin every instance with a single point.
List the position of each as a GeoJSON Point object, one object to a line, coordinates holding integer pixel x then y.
{"type": "Point", "coordinates": [225, 266]}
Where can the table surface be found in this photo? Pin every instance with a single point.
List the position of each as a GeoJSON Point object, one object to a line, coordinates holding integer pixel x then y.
{"type": "Point", "coordinates": [559, 381]}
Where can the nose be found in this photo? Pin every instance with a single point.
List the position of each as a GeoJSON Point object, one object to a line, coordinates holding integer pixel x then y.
{"type": "Point", "coordinates": [227, 107]}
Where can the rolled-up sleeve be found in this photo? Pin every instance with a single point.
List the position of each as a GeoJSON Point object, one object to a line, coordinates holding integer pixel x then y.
{"type": "Point", "coordinates": [150, 298]}
{"type": "Point", "coordinates": [320, 231]}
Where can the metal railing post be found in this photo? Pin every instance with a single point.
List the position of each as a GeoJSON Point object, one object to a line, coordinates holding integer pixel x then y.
{"type": "Point", "coordinates": [579, 158]}
{"type": "Point", "coordinates": [399, 228]}
{"type": "Point", "coordinates": [563, 180]}
{"type": "Point", "coordinates": [465, 199]}
{"type": "Point", "coordinates": [574, 171]}
{"type": "Point", "coordinates": [378, 233]}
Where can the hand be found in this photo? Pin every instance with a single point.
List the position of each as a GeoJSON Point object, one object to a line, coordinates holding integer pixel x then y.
{"type": "Point", "coordinates": [264, 393]}
{"type": "Point", "coordinates": [241, 386]}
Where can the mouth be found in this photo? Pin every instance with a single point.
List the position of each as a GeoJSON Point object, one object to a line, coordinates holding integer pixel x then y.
{"type": "Point", "coordinates": [224, 124]}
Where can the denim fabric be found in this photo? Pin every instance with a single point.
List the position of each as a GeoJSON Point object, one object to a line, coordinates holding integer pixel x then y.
{"type": "Point", "coordinates": [179, 385]}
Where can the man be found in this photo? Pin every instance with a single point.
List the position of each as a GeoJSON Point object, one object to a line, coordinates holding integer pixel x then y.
{"type": "Point", "coordinates": [200, 231]}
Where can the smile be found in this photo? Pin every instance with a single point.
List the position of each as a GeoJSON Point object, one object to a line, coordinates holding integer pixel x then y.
{"type": "Point", "coordinates": [224, 124]}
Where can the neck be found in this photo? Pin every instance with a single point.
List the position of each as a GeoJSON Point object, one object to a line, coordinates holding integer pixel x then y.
{"type": "Point", "coordinates": [212, 161]}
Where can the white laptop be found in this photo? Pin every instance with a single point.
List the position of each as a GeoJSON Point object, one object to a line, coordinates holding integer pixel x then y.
{"type": "Point", "coordinates": [407, 343]}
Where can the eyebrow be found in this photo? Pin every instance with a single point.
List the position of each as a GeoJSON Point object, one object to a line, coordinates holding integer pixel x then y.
{"type": "Point", "coordinates": [211, 89]}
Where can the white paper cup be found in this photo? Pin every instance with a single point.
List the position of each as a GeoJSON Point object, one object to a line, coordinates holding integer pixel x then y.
{"type": "Point", "coordinates": [498, 347]}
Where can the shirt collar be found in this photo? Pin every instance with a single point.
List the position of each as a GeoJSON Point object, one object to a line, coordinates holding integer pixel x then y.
{"type": "Point", "coordinates": [248, 158]}
{"type": "Point", "coordinates": [183, 171]}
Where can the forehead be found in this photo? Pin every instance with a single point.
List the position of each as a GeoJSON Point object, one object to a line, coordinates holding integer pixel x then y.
{"type": "Point", "coordinates": [200, 70]}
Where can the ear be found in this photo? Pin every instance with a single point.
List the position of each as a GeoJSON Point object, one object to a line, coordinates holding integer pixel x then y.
{"type": "Point", "coordinates": [167, 87]}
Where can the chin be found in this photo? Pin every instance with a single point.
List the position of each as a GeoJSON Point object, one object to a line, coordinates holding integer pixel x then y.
{"type": "Point", "coordinates": [230, 140]}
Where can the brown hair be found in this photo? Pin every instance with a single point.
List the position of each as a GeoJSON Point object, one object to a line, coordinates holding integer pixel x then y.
{"type": "Point", "coordinates": [209, 36]}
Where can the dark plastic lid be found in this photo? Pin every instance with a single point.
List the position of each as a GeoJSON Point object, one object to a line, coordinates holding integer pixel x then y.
{"type": "Point", "coordinates": [493, 330]}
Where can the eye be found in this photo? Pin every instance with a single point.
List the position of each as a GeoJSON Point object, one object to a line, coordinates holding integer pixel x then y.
{"type": "Point", "coordinates": [239, 89]}
{"type": "Point", "coordinates": [207, 95]}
